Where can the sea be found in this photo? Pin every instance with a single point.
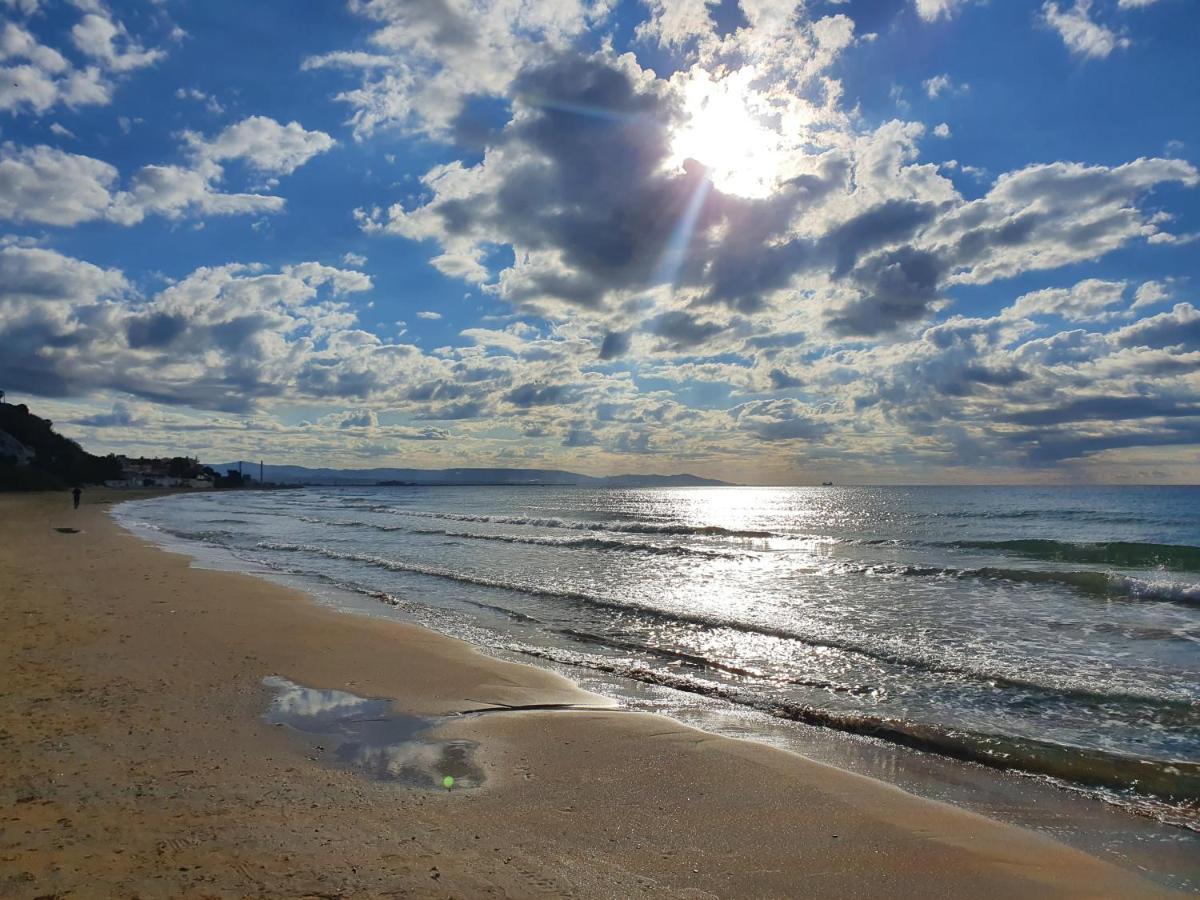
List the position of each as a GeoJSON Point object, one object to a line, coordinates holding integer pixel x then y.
{"type": "Point", "coordinates": [1051, 634]}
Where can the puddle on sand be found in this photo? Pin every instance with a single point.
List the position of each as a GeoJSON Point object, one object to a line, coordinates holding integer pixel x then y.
{"type": "Point", "coordinates": [369, 736]}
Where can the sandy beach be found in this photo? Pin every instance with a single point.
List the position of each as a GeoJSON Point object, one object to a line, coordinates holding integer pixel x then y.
{"type": "Point", "coordinates": [136, 762]}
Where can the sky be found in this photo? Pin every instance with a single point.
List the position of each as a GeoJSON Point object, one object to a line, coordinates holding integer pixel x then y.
{"type": "Point", "coordinates": [770, 241]}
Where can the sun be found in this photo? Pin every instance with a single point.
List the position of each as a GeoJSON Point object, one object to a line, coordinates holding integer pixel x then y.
{"type": "Point", "coordinates": [723, 128]}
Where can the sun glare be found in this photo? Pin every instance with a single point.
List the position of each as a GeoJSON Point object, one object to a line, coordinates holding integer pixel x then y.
{"type": "Point", "coordinates": [724, 130]}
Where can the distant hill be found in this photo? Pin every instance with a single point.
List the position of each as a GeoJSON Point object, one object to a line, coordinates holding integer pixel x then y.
{"type": "Point", "coordinates": [33, 456]}
{"type": "Point", "coordinates": [303, 475]}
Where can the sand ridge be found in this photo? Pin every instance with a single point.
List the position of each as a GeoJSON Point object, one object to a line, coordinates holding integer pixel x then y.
{"type": "Point", "coordinates": [136, 762]}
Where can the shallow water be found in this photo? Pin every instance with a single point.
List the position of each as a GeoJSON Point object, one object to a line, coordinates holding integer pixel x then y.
{"type": "Point", "coordinates": [1055, 631]}
{"type": "Point", "coordinates": [369, 736]}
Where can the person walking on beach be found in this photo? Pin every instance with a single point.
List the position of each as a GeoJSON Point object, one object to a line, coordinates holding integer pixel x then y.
{"type": "Point", "coordinates": [75, 494]}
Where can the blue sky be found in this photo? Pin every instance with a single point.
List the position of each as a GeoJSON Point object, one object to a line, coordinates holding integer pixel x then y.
{"type": "Point", "coordinates": [902, 240]}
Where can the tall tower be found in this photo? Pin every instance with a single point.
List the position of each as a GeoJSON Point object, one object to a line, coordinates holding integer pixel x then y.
{"type": "Point", "coordinates": [260, 471]}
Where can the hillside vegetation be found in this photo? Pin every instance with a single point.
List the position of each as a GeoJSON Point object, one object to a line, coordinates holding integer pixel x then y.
{"type": "Point", "coordinates": [33, 456]}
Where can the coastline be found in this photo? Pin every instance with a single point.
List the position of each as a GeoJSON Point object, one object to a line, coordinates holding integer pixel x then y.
{"type": "Point", "coordinates": [137, 759]}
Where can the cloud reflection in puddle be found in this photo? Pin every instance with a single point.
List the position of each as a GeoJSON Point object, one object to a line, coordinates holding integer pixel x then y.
{"type": "Point", "coordinates": [369, 736]}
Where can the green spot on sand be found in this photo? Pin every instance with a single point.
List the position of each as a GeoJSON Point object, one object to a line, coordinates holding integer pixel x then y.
{"type": "Point", "coordinates": [448, 781]}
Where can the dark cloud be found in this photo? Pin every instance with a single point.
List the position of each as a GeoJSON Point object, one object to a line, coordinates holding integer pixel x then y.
{"type": "Point", "coordinates": [1048, 447]}
{"type": "Point", "coordinates": [526, 395]}
{"type": "Point", "coordinates": [122, 416]}
{"type": "Point", "coordinates": [614, 345]}
{"type": "Point", "coordinates": [780, 380]}
{"type": "Point", "coordinates": [897, 287]}
{"type": "Point", "coordinates": [156, 330]}
{"type": "Point", "coordinates": [1179, 327]}
{"type": "Point", "coordinates": [1106, 409]}
{"type": "Point", "coordinates": [681, 330]}
{"type": "Point", "coordinates": [780, 420]}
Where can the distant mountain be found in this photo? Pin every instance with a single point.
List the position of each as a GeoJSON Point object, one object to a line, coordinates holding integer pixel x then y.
{"type": "Point", "coordinates": [303, 475]}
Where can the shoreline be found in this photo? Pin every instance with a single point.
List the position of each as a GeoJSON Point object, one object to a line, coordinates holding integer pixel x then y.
{"type": "Point", "coordinates": [135, 716]}
{"type": "Point", "coordinates": [1072, 814]}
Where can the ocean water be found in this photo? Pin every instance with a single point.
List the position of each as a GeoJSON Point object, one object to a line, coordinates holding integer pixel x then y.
{"type": "Point", "coordinates": [1049, 631]}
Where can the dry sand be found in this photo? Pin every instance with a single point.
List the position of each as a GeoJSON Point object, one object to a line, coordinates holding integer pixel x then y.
{"type": "Point", "coordinates": [135, 762]}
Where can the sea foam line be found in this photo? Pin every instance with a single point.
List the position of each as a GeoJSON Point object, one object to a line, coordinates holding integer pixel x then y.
{"type": "Point", "coordinates": [709, 621]}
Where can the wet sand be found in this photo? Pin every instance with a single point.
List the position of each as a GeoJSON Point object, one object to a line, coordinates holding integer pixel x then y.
{"type": "Point", "coordinates": [135, 760]}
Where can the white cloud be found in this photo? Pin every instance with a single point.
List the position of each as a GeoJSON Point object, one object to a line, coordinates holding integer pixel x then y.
{"type": "Point", "coordinates": [109, 43]}
{"type": "Point", "coordinates": [1151, 293]}
{"type": "Point", "coordinates": [433, 54]}
{"type": "Point", "coordinates": [211, 103]}
{"type": "Point", "coordinates": [357, 260]}
{"type": "Point", "coordinates": [943, 84]}
{"type": "Point", "coordinates": [942, 130]}
{"type": "Point", "coordinates": [265, 145]}
{"type": "Point", "coordinates": [429, 314]}
{"type": "Point", "coordinates": [1134, 4]}
{"type": "Point", "coordinates": [58, 129]}
{"type": "Point", "coordinates": [1088, 300]}
{"type": "Point", "coordinates": [173, 191]}
{"type": "Point", "coordinates": [37, 78]}
{"type": "Point", "coordinates": [51, 187]}
{"type": "Point", "coordinates": [1081, 34]}
{"type": "Point", "coordinates": [932, 10]}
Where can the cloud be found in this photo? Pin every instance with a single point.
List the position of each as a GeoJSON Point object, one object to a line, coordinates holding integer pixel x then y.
{"type": "Point", "coordinates": [123, 415]}
{"type": "Point", "coordinates": [932, 10]}
{"type": "Point", "coordinates": [943, 84]}
{"type": "Point", "coordinates": [1081, 34]}
{"type": "Point", "coordinates": [429, 315]}
{"type": "Point", "coordinates": [52, 187]}
{"type": "Point", "coordinates": [264, 144]}
{"type": "Point", "coordinates": [431, 55]}
{"type": "Point", "coordinates": [211, 103]}
{"type": "Point", "coordinates": [223, 338]}
{"type": "Point", "coordinates": [1088, 300]}
{"type": "Point", "coordinates": [591, 209]}
{"type": "Point", "coordinates": [1178, 328]}
{"type": "Point", "coordinates": [779, 420]}
{"type": "Point", "coordinates": [36, 78]}
{"type": "Point", "coordinates": [109, 43]}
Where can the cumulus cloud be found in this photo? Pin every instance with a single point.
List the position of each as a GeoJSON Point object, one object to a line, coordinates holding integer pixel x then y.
{"type": "Point", "coordinates": [431, 55]}
{"type": "Point", "coordinates": [1081, 34]}
{"type": "Point", "coordinates": [1088, 300]}
{"type": "Point", "coordinates": [35, 78]}
{"type": "Point", "coordinates": [264, 144]}
{"type": "Point", "coordinates": [52, 187]}
{"type": "Point", "coordinates": [109, 43]}
{"type": "Point", "coordinates": [221, 338]}
{"type": "Point", "coordinates": [779, 420]}
{"type": "Point", "coordinates": [627, 269]}
{"type": "Point", "coordinates": [591, 211]}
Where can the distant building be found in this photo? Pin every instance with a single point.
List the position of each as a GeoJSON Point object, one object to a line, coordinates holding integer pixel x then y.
{"type": "Point", "coordinates": [176, 472]}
